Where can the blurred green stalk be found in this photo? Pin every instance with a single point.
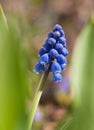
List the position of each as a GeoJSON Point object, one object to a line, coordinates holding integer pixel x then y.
{"type": "Point", "coordinates": [82, 80]}
{"type": "Point", "coordinates": [13, 79]}
{"type": "Point", "coordinates": [37, 97]}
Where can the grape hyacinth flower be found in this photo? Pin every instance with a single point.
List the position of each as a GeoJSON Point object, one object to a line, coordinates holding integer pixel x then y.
{"type": "Point", "coordinates": [52, 55]}
{"type": "Point", "coordinates": [52, 59]}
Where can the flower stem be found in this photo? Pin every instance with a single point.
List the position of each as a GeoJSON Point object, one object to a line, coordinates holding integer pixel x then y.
{"type": "Point", "coordinates": [37, 96]}
{"type": "Point", "coordinates": [34, 108]}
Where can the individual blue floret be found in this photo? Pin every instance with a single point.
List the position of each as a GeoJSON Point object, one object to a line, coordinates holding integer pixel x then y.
{"type": "Point", "coordinates": [61, 59]}
{"type": "Point", "coordinates": [57, 34]}
{"type": "Point", "coordinates": [39, 68]}
{"type": "Point", "coordinates": [44, 59]}
{"type": "Point", "coordinates": [55, 67]}
{"type": "Point", "coordinates": [53, 53]}
{"type": "Point", "coordinates": [47, 46]}
{"type": "Point", "coordinates": [63, 41]}
{"type": "Point", "coordinates": [57, 77]}
{"type": "Point", "coordinates": [51, 41]}
{"type": "Point", "coordinates": [50, 34]}
{"type": "Point", "coordinates": [63, 66]}
{"type": "Point", "coordinates": [62, 33]}
{"type": "Point", "coordinates": [42, 51]}
{"type": "Point", "coordinates": [57, 27]}
{"type": "Point", "coordinates": [59, 47]}
{"type": "Point", "coordinates": [65, 51]}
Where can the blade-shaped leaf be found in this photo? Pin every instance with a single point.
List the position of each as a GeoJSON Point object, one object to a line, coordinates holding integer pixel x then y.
{"type": "Point", "coordinates": [13, 80]}
{"type": "Point", "coordinates": [82, 80]}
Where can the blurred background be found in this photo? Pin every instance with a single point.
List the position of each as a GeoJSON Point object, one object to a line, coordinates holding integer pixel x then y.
{"type": "Point", "coordinates": [35, 19]}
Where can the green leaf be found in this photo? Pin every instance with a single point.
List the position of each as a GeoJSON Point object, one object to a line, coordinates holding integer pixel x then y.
{"type": "Point", "coordinates": [2, 17]}
{"type": "Point", "coordinates": [13, 79]}
{"type": "Point", "coordinates": [82, 80]}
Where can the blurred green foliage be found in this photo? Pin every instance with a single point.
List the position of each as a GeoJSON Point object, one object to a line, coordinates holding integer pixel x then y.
{"type": "Point", "coordinates": [15, 61]}
{"type": "Point", "coordinates": [13, 79]}
{"type": "Point", "coordinates": [82, 81]}
{"type": "Point", "coordinates": [17, 79]}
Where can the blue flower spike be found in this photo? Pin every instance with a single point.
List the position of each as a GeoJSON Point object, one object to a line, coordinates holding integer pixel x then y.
{"type": "Point", "coordinates": [53, 54]}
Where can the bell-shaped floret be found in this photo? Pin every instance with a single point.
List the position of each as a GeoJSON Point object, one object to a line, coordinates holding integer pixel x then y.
{"type": "Point", "coordinates": [65, 52]}
{"type": "Point", "coordinates": [55, 67]}
{"type": "Point", "coordinates": [39, 68]}
{"type": "Point", "coordinates": [42, 51]}
{"type": "Point", "coordinates": [63, 66]}
{"type": "Point", "coordinates": [57, 35]}
{"type": "Point", "coordinates": [57, 27]}
{"type": "Point", "coordinates": [50, 34]}
{"type": "Point", "coordinates": [63, 41]}
{"type": "Point", "coordinates": [61, 59]}
{"type": "Point", "coordinates": [53, 53]}
{"type": "Point", "coordinates": [44, 59]}
{"type": "Point", "coordinates": [51, 41]}
{"type": "Point", "coordinates": [57, 77]}
{"type": "Point", "coordinates": [47, 46]}
{"type": "Point", "coordinates": [59, 47]}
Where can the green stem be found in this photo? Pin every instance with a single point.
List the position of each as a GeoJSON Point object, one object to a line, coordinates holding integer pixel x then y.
{"type": "Point", "coordinates": [34, 108]}
{"type": "Point", "coordinates": [37, 96]}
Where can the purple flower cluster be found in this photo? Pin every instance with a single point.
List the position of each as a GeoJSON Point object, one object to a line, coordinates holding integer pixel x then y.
{"type": "Point", "coordinates": [53, 53]}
